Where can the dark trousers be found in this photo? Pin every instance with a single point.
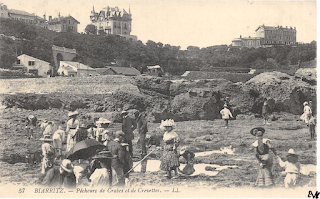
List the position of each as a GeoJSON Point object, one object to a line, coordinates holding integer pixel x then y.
{"type": "Point", "coordinates": [312, 130]}
{"type": "Point", "coordinates": [226, 122]}
{"type": "Point", "coordinates": [130, 147]}
{"type": "Point", "coordinates": [143, 144]}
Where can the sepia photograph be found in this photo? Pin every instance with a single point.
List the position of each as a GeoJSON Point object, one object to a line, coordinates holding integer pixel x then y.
{"type": "Point", "coordinates": [158, 99]}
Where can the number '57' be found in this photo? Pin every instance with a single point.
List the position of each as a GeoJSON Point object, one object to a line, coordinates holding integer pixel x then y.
{"type": "Point", "coordinates": [21, 190]}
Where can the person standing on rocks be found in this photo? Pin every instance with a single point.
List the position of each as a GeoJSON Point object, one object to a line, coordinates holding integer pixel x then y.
{"type": "Point", "coordinates": [72, 128]}
{"type": "Point", "coordinates": [128, 126]}
{"type": "Point", "coordinates": [31, 124]}
{"type": "Point", "coordinates": [306, 112]}
{"type": "Point", "coordinates": [142, 129]}
{"type": "Point", "coordinates": [62, 176]}
{"type": "Point", "coordinates": [262, 147]}
{"type": "Point", "coordinates": [170, 157]}
{"type": "Point", "coordinates": [47, 153]}
{"type": "Point", "coordinates": [226, 115]}
{"type": "Point", "coordinates": [265, 113]}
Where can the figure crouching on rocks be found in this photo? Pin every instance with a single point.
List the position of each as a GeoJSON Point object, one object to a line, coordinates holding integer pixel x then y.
{"type": "Point", "coordinates": [48, 154]}
{"type": "Point", "coordinates": [170, 156]}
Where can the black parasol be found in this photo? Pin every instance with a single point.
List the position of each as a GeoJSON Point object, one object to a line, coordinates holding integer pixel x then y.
{"type": "Point", "coordinates": [84, 149]}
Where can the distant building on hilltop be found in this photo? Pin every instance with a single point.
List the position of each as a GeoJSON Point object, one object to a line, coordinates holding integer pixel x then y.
{"type": "Point", "coordinates": [112, 21]}
{"type": "Point", "coordinates": [63, 24]}
{"type": "Point", "coordinates": [20, 15]}
{"type": "Point", "coordinates": [268, 36]}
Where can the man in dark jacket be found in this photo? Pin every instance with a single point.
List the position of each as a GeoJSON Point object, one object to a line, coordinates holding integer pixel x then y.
{"type": "Point", "coordinates": [142, 129]}
{"type": "Point", "coordinates": [62, 176]}
{"type": "Point", "coordinates": [265, 113]}
{"type": "Point", "coordinates": [81, 134]}
{"type": "Point", "coordinates": [128, 126]}
{"type": "Point", "coordinates": [119, 156]}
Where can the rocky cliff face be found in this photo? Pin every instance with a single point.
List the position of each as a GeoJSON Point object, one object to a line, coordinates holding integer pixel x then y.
{"type": "Point", "coordinates": [188, 99]}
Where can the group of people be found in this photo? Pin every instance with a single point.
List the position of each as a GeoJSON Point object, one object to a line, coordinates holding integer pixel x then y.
{"type": "Point", "coordinates": [116, 158]}
{"type": "Point", "coordinates": [262, 152]}
{"type": "Point", "coordinates": [111, 166]}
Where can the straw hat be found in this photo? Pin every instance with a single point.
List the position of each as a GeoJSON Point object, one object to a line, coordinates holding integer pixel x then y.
{"type": "Point", "coordinates": [103, 121]}
{"type": "Point", "coordinates": [305, 103]}
{"type": "Point", "coordinates": [225, 105]}
{"type": "Point", "coordinates": [120, 133]}
{"type": "Point", "coordinates": [67, 165]}
{"type": "Point", "coordinates": [103, 155]}
{"type": "Point", "coordinates": [291, 152]}
{"type": "Point", "coordinates": [169, 122]}
{"type": "Point", "coordinates": [265, 103]}
{"type": "Point", "coordinates": [83, 126]}
{"type": "Point", "coordinates": [255, 130]}
{"type": "Point", "coordinates": [46, 138]}
{"type": "Point", "coordinates": [74, 113]}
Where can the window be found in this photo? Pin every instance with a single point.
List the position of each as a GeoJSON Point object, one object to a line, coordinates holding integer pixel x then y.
{"type": "Point", "coordinates": [31, 63]}
{"type": "Point", "coordinates": [69, 21]}
{"type": "Point", "coordinates": [18, 61]}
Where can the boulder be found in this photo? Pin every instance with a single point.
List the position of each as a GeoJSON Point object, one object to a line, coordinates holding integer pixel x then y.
{"type": "Point", "coordinates": [154, 84]}
{"type": "Point", "coordinates": [76, 104]}
{"type": "Point", "coordinates": [286, 92]}
{"type": "Point", "coordinates": [308, 75]}
{"type": "Point", "coordinates": [55, 103]}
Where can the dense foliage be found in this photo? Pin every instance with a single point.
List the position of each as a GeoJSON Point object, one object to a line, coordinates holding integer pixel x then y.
{"type": "Point", "coordinates": [102, 50]}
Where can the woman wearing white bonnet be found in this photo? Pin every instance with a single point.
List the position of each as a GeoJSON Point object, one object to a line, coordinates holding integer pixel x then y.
{"type": "Point", "coordinates": [170, 156]}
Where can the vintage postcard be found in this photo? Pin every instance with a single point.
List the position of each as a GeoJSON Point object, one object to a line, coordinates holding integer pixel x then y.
{"type": "Point", "coordinates": [158, 99]}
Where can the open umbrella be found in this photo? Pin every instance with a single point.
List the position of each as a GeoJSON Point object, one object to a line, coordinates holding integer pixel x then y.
{"type": "Point", "coordinates": [84, 149]}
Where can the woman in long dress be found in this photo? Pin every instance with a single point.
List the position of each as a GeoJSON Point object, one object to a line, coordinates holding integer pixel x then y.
{"type": "Point", "coordinates": [262, 147]}
{"type": "Point", "coordinates": [170, 156]}
{"type": "Point", "coordinates": [72, 128]}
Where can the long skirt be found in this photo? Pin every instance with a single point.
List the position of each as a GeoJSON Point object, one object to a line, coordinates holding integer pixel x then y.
{"type": "Point", "coordinates": [265, 177]}
{"type": "Point", "coordinates": [70, 141]}
{"type": "Point", "coordinates": [169, 160]}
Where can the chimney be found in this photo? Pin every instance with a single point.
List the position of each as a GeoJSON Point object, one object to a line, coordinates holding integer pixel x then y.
{"type": "Point", "coordinates": [59, 15]}
{"type": "Point", "coordinates": [240, 37]}
{"type": "Point", "coordinates": [44, 17]}
{"type": "Point", "coordinates": [50, 18]}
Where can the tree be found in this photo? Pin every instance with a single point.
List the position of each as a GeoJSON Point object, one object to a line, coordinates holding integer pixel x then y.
{"type": "Point", "coordinates": [90, 29]}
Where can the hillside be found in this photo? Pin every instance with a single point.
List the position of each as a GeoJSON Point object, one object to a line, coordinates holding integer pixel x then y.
{"type": "Point", "coordinates": [99, 51]}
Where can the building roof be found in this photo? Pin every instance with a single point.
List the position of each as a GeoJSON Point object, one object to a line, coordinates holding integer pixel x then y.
{"type": "Point", "coordinates": [129, 71]}
{"type": "Point", "coordinates": [29, 57]}
{"type": "Point", "coordinates": [78, 65]}
{"type": "Point", "coordinates": [276, 28]}
{"type": "Point", "coordinates": [20, 12]}
{"type": "Point", "coordinates": [58, 20]}
{"type": "Point", "coordinates": [153, 67]}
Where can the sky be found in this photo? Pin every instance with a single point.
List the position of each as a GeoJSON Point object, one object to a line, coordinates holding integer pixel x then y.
{"type": "Point", "coordinates": [189, 23]}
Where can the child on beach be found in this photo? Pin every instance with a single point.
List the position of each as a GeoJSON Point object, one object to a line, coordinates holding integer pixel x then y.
{"type": "Point", "coordinates": [292, 167]}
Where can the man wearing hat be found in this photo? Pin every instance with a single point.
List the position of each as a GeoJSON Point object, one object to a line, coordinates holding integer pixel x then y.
{"type": "Point", "coordinates": [72, 128]}
{"type": "Point", "coordinates": [48, 154]}
{"type": "Point", "coordinates": [118, 163]}
{"type": "Point", "coordinates": [105, 176]}
{"type": "Point", "coordinates": [142, 129]}
{"type": "Point", "coordinates": [62, 176]}
{"type": "Point", "coordinates": [292, 169]}
{"type": "Point", "coordinates": [102, 126]}
{"type": "Point", "coordinates": [128, 126]}
{"type": "Point", "coordinates": [226, 114]}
